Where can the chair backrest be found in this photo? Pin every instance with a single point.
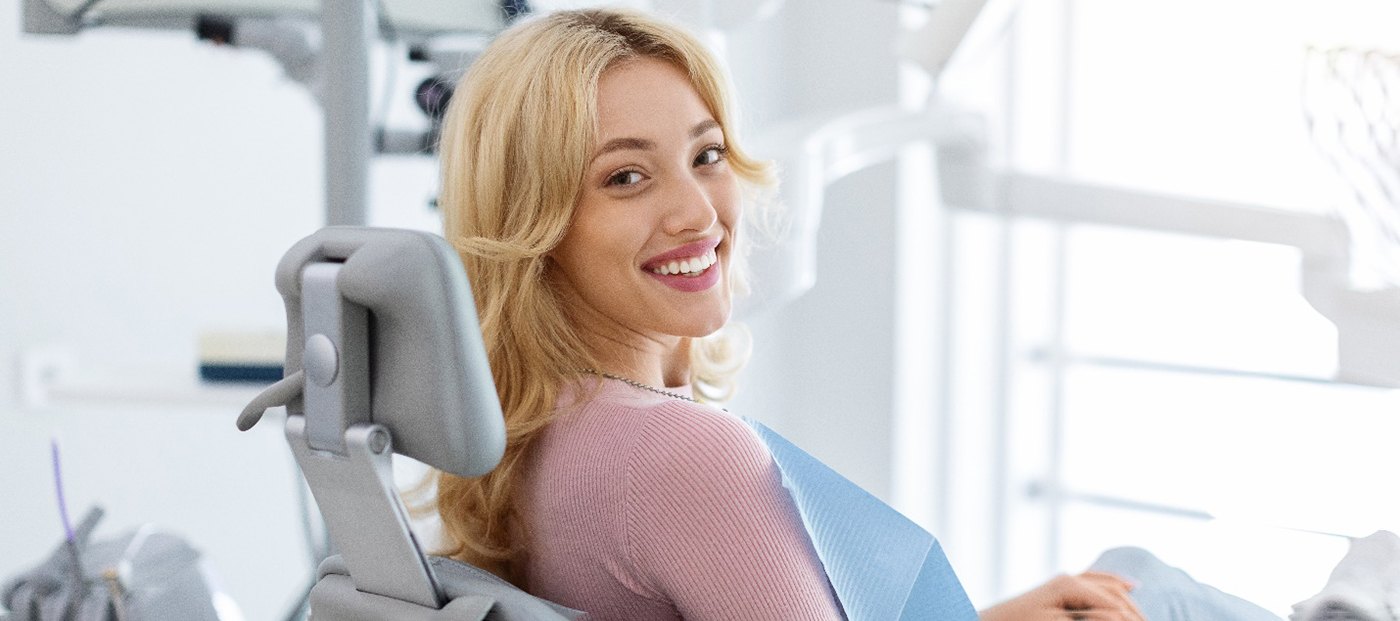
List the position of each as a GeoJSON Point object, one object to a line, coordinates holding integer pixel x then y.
{"type": "Point", "coordinates": [403, 295]}
{"type": "Point", "coordinates": [384, 355]}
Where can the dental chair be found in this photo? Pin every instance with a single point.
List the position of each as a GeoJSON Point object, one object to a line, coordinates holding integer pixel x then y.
{"type": "Point", "coordinates": [384, 356]}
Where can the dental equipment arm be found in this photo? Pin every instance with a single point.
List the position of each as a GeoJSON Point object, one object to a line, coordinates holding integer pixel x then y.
{"type": "Point", "coordinates": [411, 17]}
{"type": "Point", "coordinates": [813, 154]}
{"type": "Point", "coordinates": [933, 44]}
{"type": "Point", "coordinates": [307, 36]}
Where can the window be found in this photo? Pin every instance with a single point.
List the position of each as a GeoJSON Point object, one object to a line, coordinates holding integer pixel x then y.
{"type": "Point", "coordinates": [1118, 386]}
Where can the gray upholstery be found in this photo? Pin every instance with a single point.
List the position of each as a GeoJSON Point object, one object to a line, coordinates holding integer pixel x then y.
{"type": "Point", "coordinates": [384, 356]}
{"type": "Point", "coordinates": [429, 380]}
{"type": "Point", "coordinates": [466, 586]}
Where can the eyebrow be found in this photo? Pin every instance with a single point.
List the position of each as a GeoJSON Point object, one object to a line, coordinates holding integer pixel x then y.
{"type": "Point", "coordinates": [642, 144]}
{"type": "Point", "coordinates": [702, 127]}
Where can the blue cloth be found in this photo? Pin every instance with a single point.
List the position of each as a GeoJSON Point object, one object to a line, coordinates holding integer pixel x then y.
{"type": "Point", "coordinates": [882, 566]}
{"type": "Point", "coordinates": [1166, 593]}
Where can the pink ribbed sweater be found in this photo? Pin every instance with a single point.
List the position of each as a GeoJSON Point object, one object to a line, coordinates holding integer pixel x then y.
{"type": "Point", "coordinates": [645, 507]}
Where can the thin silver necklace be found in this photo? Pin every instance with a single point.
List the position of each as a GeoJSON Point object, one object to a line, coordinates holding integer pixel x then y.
{"type": "Point", "coordinates": [637, 384]}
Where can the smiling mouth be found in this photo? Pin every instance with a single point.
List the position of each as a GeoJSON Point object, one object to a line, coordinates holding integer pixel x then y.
{"type": "Point", "coordinates": [692, 266]}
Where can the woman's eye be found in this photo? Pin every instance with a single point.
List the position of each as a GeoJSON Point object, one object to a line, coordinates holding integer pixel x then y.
{"type": "Point", "coordinates": [626, 177]}
{"type": "Point", "coordinates": [710, 156]}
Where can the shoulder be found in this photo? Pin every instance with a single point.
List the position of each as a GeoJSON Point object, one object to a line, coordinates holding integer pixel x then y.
{"type": "Point", "coordinates": [697, 422]}
{"type": "Point", "coordinates": [688, 443]}
{"type": "Point", "coordinates": [659, 442]}
{"type": "Point", "coordinates": [709, 526]}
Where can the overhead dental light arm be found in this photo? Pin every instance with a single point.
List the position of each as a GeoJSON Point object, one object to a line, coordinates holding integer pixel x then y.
{"type": "Point", "coordinates": [933, 44]}
{"type": "Point", "coordinates": [412, 18]}
{"type": "Point", "coordinates": [814, 153]}
{"type": "Point", "coordinates": [304, 38]}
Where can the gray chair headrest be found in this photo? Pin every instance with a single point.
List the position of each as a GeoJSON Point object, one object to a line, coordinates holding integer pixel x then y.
{"type": "Point", "coordinates": [430, 381]}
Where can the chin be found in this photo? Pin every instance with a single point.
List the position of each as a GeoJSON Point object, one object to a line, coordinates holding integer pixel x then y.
{"type": "Point", "coordinates": [707, 317]}
{"type": "Point", "coordinates": [701, 326]}
{"type": "Point", "coordinates": [713, 326]}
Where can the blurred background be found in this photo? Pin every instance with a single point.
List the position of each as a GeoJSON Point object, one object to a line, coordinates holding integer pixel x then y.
{"type": "Point", "coordinates": [1109, 273]}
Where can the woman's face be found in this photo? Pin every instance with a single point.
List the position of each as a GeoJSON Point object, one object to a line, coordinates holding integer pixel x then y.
{"type": "Point", "coordinates": [647, 255]}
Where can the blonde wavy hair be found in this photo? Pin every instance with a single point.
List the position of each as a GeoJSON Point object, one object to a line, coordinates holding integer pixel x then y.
{"type": "Point", "coordinates": [516, 139]}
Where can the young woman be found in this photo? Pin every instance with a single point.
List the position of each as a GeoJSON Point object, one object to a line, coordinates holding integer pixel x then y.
{"type": "Point", "coordinates": [594, 188]}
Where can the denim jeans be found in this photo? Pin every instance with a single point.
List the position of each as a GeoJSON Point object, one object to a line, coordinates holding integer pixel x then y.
{"type": "Point", "coordinates": [1166, 593]}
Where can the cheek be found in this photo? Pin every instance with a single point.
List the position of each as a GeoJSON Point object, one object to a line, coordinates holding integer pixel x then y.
{"type": "Point", "coordinates": [577, 255]}
{"type": "Point", "coordinates": [728, 202]}
{"type": "Point", "coordinates": [596, 249]}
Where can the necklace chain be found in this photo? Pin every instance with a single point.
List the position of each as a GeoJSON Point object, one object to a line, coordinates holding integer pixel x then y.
{"type": "Point", "coordinates": [636, 384]}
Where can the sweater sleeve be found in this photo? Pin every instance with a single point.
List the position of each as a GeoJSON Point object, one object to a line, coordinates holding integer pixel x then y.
{"type": "Point", "coordinates": [710, 528]}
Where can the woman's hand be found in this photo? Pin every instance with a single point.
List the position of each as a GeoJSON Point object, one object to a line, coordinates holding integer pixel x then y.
{"type": "Point", "coordinates": [1090, 595]}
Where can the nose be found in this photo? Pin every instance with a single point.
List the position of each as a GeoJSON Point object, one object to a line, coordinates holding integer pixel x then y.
{"type": "Point", "coordinates": [690, 206]}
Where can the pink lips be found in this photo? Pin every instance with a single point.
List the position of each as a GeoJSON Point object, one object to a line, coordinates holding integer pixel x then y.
{"type": "Point", "coordinates": [689, 284]}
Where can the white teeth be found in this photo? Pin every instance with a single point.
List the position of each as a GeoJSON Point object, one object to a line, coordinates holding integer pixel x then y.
{"type": "Point", "coordinates": [692, 265]}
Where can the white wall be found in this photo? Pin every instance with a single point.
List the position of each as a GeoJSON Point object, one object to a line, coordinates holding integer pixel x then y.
{"type": "Point", "coordinates": [149, 184]}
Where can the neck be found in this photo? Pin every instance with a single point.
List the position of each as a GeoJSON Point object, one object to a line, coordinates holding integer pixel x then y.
{"type": "Point", "coordinates": [653, 359]}
{"type": "Point", "coordinates": [660, 365]}
{"type": "Point", "coordinates": [676, 370]}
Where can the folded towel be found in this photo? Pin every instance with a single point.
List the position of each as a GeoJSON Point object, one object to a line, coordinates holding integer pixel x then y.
{"type": "Point", "coordinates": [1365, 585]}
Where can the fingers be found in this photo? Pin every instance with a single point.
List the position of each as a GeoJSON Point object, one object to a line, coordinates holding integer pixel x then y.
{"type": "Point", "coordinates": [1116, 590]}
{"type": "Point", "coordinates": [1100, 615]}
{"type": "Point", "coordinates": [1094, 595]}
{"type": "Point", "coordinates": [1125, 583]}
